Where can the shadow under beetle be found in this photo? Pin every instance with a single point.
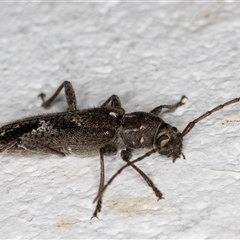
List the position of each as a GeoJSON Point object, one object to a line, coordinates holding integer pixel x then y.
{"type": "Point", "coordinates": [103, 130]}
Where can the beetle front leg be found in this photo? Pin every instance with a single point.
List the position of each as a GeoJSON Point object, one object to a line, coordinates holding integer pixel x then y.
{"type": "Point", "coordinates": [156, 111]}
{"type": "Point", "coordinates": [126, 156]}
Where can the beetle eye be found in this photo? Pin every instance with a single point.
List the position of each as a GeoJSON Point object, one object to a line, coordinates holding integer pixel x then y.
{"type": "Point", "coordinates": [162, 140]}
{"type": "Point", "coordinates": [175, 129]}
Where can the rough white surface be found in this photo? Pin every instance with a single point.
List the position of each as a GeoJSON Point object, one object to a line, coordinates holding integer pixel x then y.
{"type": "Point", "coordinates": [149, 54]}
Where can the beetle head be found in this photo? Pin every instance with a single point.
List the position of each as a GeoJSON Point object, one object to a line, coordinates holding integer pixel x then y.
{"type": "Point", "coordinates": [168, 141]}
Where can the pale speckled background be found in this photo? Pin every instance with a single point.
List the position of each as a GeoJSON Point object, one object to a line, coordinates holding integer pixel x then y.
{"type": "Point", "coordinates": [149, 54]}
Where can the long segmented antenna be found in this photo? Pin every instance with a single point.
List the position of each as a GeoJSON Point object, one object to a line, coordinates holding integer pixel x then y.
{"type": "Point", "coordinates": [189, 127]}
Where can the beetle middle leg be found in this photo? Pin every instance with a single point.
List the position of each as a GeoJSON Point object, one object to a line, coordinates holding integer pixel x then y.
{"type": "Point", "coordinates": [114, 103]}
{"type": "Point", "coordinates": [106, 150]}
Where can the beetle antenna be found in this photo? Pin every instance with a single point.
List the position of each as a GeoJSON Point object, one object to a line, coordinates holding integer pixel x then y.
{"type": "Point", "coordinates": [189, 127]}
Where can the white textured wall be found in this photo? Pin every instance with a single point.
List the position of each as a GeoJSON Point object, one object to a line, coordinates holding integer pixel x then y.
{"type": "Point", "coordinates": [149, 54]}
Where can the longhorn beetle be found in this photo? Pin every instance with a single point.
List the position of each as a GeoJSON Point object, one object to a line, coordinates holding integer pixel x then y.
{"type": "Point", "coordinates": [103, 130]}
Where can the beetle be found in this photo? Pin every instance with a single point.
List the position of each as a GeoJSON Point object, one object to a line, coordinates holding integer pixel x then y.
{"type": "Point", "coordinates": [102, 130]}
